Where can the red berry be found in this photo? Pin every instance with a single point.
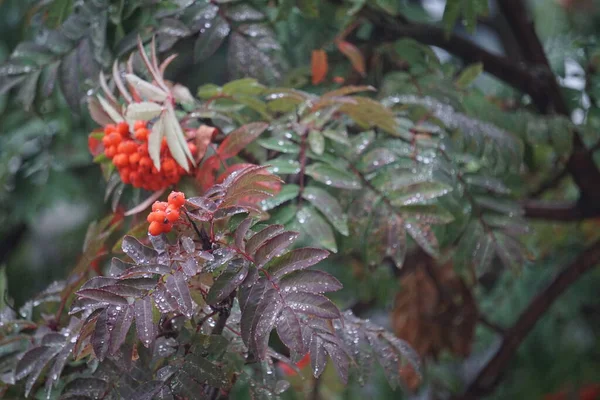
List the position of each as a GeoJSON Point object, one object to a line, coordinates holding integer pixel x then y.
{"type": "Point", "coordinates": [177, 199]}
{"type": "Point", "coordinates": [159, 206]}
{"type": "Point", "coordinates": [123, 128]}
{"type": "Point", "coordinates": [139, 125]}
{"type": "Point", "coordinates": [155, 228]}
{"type": "Point", "coordinates": [172, 215]}
{"type": "Point", "coordinates": [110, 128]}
{"type": "Point", "coordinates": [142, 134]}
{"type": "Point", "coordinates": [110, 151]}
{"type": "Point", "coordinates": [193, 148]}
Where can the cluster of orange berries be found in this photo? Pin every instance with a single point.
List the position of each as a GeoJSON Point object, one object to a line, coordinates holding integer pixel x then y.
{"type": "Point", "coordinates": [164, 214]}
{"type": "Point", "coordinates": [130, 156]}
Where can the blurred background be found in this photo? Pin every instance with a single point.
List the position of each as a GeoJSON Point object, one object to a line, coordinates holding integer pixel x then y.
{"type": "Point", "coordinates": [50, 190]}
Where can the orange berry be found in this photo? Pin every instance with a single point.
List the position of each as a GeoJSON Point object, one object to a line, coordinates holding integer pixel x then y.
{"type": "Point", "coordinates": [125, 175]}
{"type": "Point", "coordinates": [145, 162]}
{"type": "Point", "coordinates": [177, 199]}
{"type": "Point", "coordinates": [139, 125]}
{"type": "Point", "coordinates": [163, 144]}
{"type": "Point", "coordinates": [134, 158]}
{"type": "Point", "coordinates": [114, 138]}
{"type": "Point", "coordinates": [110, 151]}
{"type": "Point", "coordinates": [169, 165]}
{"type": "Point", "coordinates": [106, 142]}
{"type": "Point", "coordinates": [130, 147]}
{"type": "Point", "coordinates": [193, 148]}
{"type": "Point", "coordinates": [123, 128]}
{"type": "Point", "coordinates": [159, 216]}
{"type": "Point", "coordinates": [172, 215]}
{"type": "Point", "coordinates": [142, 134]}
{"type": "Point", "coordinates": [121, 160]}
{"type": "Point", "coordinates": [159, 206]}
{"type": "Point", "coordinates": [167, 227]}
{"type": "Point", "coordinates": [134, 176]}
{"type": "Point", "coordinates": [110, 128]}
{"type": "Point", "coordinates": [155, 228]}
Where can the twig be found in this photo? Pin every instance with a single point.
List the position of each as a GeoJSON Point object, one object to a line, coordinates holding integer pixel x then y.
{"type": "Point", "coordinates": [559, 211]}
{"type": "Point", "coordinates": [490, 374]}
{"type": "Point", "coordinates": [491, 325]}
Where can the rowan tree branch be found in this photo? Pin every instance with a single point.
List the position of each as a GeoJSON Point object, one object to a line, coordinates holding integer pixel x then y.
{"type": "Point", "coordinates": [489, 376]}
{"type": "Point", "coordinates": [559, 211]}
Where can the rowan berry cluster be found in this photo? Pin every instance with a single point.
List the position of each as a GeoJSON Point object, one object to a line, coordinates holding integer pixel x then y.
{"type": "Point", "coordinates": [130, 156]}
{"type": "Point", "coordinates": [164, 214]}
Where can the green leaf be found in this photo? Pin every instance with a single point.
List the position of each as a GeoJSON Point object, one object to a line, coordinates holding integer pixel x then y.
{"type": "Point", "coordinates": [287, 193]}
{"type": "Point", "coordinates": [247, 86]}
{"type": "Point", "coordinates": [468, 75]}
{"type": "Point", "coordinates": [210, 40]}
{"type": "Point", "coordinates": [283, 166]}
{"type": "Point", "coordinates": [316, 141]}
{"type": "Point", "coordinates": [389, 6]}
{"type": "Point", "coordinates": [310, 8]}
{"type": "Point", "coordinates": [333, 177]}
{"type": "Point", "coordinates": [209, 90]}
{"type": "Point", "coordinates": [280, 145]}
{"type": "Point", "coordinates": [329, 206]}
{"type": "Point", "coordinates": [316, 228]}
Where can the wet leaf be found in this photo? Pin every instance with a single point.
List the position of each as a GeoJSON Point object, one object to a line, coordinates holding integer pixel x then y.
{"type": "Point", "coordinates": [333, 177]}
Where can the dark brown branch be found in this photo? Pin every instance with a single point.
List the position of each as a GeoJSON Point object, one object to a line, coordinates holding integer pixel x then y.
{"type": "Point", "coordinates": [581, 164]}
{"type": "Point", "coordinates": [553, 211]}
{"type": "Point", "coordinates": [518, 75]}
{"type": "Point", "coordinates": [491, 373]}
{"type": "Point", "coordinates": [536, 80]}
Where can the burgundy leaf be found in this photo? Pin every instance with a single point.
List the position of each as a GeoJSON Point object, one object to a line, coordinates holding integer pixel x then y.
{"type": "Point", "coordinates": [340, 359]}
{"type": "Point", "coordinates": [316, 282]}
{"type": "Point", "coordinates": [262, 236]}
{"type": "Point", "coordinates": [240, 233]}
{"type": "Point", "coordinates": [227, 212]}
{"type": "Point", "coordinates": [295, 260]}
{"type": "Point", "coordinates": [177, 285]}
{"type": "Point", "coordinates": [318, 355]}
{"type": "Point", "coordinates": [165, 301]}
{"type": "Point", "coordinates": [28, 362]}
{"type": "Point", "coordinates": [101, 335]}
{"type": "Point", "coordinates": [125, 290]}
{"type": "Point", "coordinates": [312, 304]}
{"type": "Point", "coordinates": [102, 295]}
{"type": "Point", "coordinates": [138, 252]}
{"type": "Point", "coordinates": [289, 330]}
{"type": "Point", "coordinates": [121, 324]}
{"type": "Point", "coordinates": [143, 321]}
{"type": "Point", "coordinates": [268, 313]}
{"type": "Point", "coordinates": [248, 286]}
{"type": "Point", "coordinates": [273, 247]}
{"type": "Point", "coordinates": [146, 269]}
{"type": "Point", "coordinates": [99, 282]}
{"type": "Point", "coordinates": [254, 302]}
{"type": "Point", "coordinates": [228, 281]}
{"type": "Point", "coordinates": [240, 138]}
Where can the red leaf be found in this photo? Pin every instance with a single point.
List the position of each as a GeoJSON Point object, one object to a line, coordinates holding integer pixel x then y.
{"type": "Point", "coordinates": [289, 371]}
{"type": "Point", "coordinates": [354, 55]}
{"type": "Point", "coordinates": [240, 138]}
{"type": "Point", "coordinates": [205, 176]}
{"type": "Point", "coordinates": [95, 144]}
{"type": "Point", "coordinates": [202, 138]}
{"type": "Point", "coordinates": [319, 66]}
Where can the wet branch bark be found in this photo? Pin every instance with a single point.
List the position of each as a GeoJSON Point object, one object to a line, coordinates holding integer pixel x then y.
{"type": "Point", "coordinates": [489, 376]}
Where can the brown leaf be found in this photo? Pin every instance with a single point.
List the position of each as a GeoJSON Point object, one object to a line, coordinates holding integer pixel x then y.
{"type": "Point", "coordinates": [432, 321]}
{"type": "Point", "coordinates": [319, 66]}
{"type": "Point", "coordinates": [354, 55]}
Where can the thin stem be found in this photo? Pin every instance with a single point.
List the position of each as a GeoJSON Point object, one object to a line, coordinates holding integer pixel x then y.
{"type": "Point", "coordinates": [302, 156]}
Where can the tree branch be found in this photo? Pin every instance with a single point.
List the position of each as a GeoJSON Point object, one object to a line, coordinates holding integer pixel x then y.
{"type": "Point", "coordinates": [490, 374]}
{"type": "Point", "coordinates": [555, 211]}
